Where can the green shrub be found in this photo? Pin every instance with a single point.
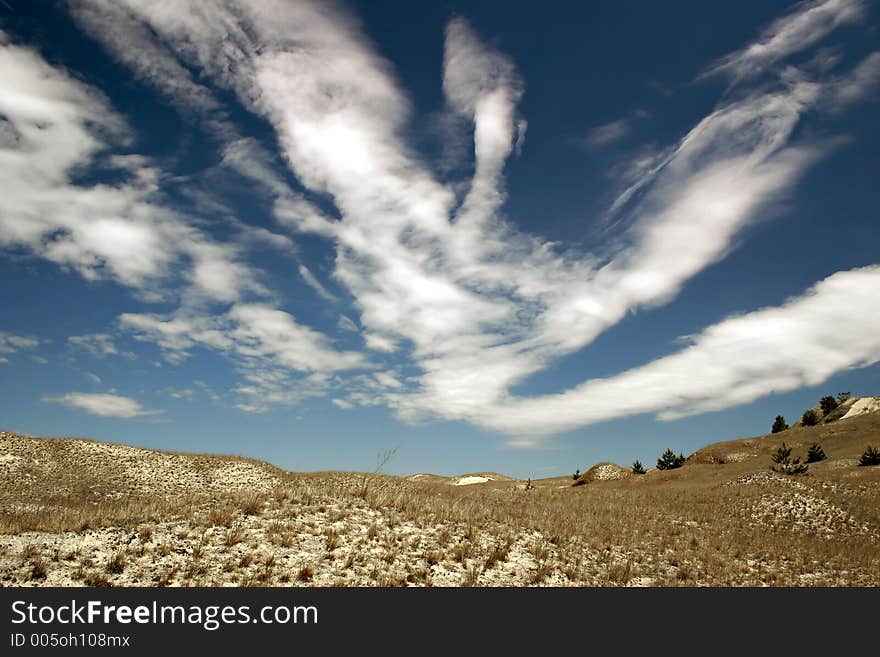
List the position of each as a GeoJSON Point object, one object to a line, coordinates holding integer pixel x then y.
{"type": "Point", "coordinates": [842, 397]}
{"type": "Point", "coordinates": [779, 424]}
{"type": "Point", "coordinates": [871, 456]}
{"type": "Point", "coordinates": [577, 474]}
{"type": "Point", "coordinates": [815, 453]}
{"type": "Point", "coordinates": [810, 418]}
{"type": "Point", "coordinates": [669, 461]}
{"type": "Point", "coordinates": [785, 464]}
{"type": "Point", "coordinates": [637, 467]}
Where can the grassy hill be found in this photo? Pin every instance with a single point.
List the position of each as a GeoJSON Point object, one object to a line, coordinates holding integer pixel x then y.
{"type": "Point", "coordinates": [77, 512]}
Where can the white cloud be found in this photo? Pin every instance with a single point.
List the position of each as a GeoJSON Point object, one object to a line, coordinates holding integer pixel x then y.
{"type": "Point", "coordinates": [438, 277]}
{"type": "Point", "coordinates": [608, 133]}
{"type": "Point", "coordinates": [829, 329]}
{"type": "Point", "coordinates": [281, 360]}
{"type": "Point", "coordinates": [104, 405]}
{"type": "Point", "coordinates": [807, 24]}
{"type": "Point", "coordinates": [11, 343]}
{"type": "Point", "coordinates": [265, 332]}
{"type": "Point", "coordinates": [316, 285]}
{"type": "Point", "coordinates": [61, 125]}
{"type": "Point", "coordinates": [346, 324]}
{"type": "Point", "coordinates": [97, 344]}
{"type": "Point", "coordinates": [859, 84]}
{"type": "Point", "coordinates": [458, 285]}
{"type": "Point", "coordinates": [132, 43]}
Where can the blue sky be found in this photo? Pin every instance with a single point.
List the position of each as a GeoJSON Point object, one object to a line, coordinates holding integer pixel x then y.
{"type": "Point", "coordinates": [494, 238]}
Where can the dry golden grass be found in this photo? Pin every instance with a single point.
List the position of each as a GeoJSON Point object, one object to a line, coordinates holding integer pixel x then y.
{"type": "Point", "coordinates": [722, 519]}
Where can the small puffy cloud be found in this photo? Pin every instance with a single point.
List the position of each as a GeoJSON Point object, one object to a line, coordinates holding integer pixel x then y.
{"type": "Point", "coordinates": [11, 343]}
{"type": "Point", "coordinates": [104, 405]}
{"type": "Point", "coordinates": [98, 345]}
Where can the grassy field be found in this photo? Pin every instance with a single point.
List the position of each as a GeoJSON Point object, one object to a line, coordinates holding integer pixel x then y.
{"type": "Point", "coordinates": [76, 512]}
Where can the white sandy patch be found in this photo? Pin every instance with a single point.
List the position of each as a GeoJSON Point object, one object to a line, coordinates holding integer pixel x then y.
{"type": "Point", "coordinates": [467, 481]}
{"type": "Point", "coordinates": [862, 406]}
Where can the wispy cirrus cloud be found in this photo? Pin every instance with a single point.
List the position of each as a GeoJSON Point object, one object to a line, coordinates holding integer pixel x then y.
{"type": "Point", "coordinates": [56, 125]}
{"type": "Point", "coordinates": [858, 85]}
{"type": "Point", "coordinates": [438, 277]}
{"type": "Point", "coordinates": [805, 25]}
{"type": "Point", "coordinates": [279, 360]}
{"type": "Point", "coordinates": [102, 404]}
{"type": "Point", "coordinates": [607, 134]}
{"type": "Point", "coordinates": [831, 328]}
{"type": "Point", "coordinates": [316, 285]}
{"type": "Point", "coordinates": [52, 125]}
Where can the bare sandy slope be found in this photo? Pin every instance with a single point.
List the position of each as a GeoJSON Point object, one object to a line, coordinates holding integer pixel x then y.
{"type": "Point", "coordinates": [76, 512]}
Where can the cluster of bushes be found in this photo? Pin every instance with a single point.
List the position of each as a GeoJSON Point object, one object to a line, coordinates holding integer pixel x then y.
{"type": "Point", "coordinates": [811, 416]}
{"type": "Point", "coordinates": [785, 464]}
{"type": "Point", "coordinates": [782, 459]}
{"type": "Point", "coordinates": [667, 461]}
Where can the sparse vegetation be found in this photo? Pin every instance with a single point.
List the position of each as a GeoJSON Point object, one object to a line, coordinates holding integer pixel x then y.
{"type": "Point", "coordinates": [577, 474]}
{"type": "Point", "coordinates": [382, 459]}
{"type": "Point", "coordinates": [732, 526]}
{"type": "Point", "coordinates": [252, 505]}
{"type": "Point", "coordinates": [638, 468]}
{"type": "Point", "coordinates": [96, 580]}
{"type": "Point", "coordinates": [871, 456]}
{"type": "Point", "coordinates": [234, 536]}
{"type": "Point", "coordinates": [116, 564]}
{"type": "Point", "coordinates": [39, 568]}
{"type": "Point", "coordinates": [785, 464]}
{"type": "Point", "coordinates": [669, 461]}
{"type": "Point", "coordinates": [810, 418]}
{"type": "Point", "coordinates": [815, 453]}
{"type": "Point", "coordinates": [779, 424]}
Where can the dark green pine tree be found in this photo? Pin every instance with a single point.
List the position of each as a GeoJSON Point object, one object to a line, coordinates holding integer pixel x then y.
{"type": "Point", "coordinates": [810, 418]}
{"type": "Point", "coordinates": [779, 424]}
{"type": "Point", "coordinates": [785, 464]}
{"type": "Point", "coordinates": [669, 461]}
{"type": "Point", "coordinates": [827, 404]}
{"type": "Point", "coordinates": [871, 456]}
{"type": "Point", "coordinates": [815, 453]}
{"type": "Point", "coordinates": [637, 467]}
